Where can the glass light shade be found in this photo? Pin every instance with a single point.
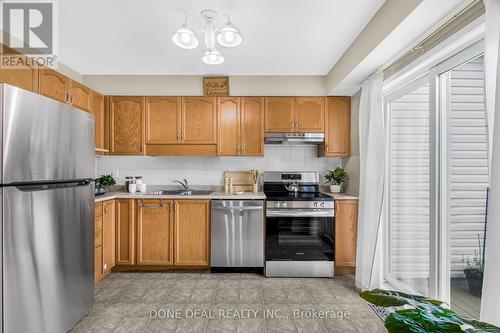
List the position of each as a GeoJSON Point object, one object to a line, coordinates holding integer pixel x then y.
{"type": "Point", "coordinates": [185, 38]}
{"type": "Point", "coordinates": [228, 36]}
{"type": "Point", "coordinates": [213, 57]}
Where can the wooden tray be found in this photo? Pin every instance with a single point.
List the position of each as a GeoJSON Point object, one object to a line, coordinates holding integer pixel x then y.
{"type": "Point", "coordinates": [242, 180]}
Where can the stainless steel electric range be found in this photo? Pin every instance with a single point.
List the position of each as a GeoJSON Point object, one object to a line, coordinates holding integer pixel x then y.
{"type": "Point", "coordinates": [299, 226]}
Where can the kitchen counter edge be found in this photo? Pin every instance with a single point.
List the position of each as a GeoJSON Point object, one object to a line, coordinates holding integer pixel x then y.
{"type": "Point", "coordinates": [212, 196]}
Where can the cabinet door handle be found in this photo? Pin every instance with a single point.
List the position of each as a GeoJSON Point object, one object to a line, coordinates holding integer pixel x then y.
{"type": "Point", "coordinates": [242, 148]}
{"type": "Point", "coordinates": [66, 97]}
{"type": "Point", "coordinates": [105, 208]}
{"type": "Point", "coordinates": [71, 99]}
{"type": "Point", "coordinates": [182, 137]}
{"type": "Point", "coordinates": [142, 205]}
{"type": "Point", "coordinates": [177, 137]}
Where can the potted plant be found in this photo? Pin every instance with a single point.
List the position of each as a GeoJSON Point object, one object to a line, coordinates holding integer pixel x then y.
{"type": "Point", "coordinates": [474, 270]}
{"type": "Point", "coordinates": [336, 178]}
{"type": "Point", "coordinates": [103, 183]}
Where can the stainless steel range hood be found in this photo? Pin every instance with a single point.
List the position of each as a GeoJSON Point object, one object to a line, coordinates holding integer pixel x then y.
{"type": "Point", "coordinates": [284, 138]}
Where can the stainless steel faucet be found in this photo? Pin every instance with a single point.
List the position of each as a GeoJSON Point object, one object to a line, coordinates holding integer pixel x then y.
{"type": "Point", "coordinates": [184, 184]}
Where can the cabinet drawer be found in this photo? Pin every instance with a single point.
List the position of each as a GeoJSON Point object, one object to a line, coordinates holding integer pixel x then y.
{"type": "Point", "coordinates": [98, 209]}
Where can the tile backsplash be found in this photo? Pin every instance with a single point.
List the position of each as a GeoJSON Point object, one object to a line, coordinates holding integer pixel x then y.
{"type": "Point", "coordinates": [210, 170]}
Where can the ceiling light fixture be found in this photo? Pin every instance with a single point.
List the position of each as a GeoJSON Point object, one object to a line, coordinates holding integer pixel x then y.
{"type": "Point", "coordinates": [226, 36]}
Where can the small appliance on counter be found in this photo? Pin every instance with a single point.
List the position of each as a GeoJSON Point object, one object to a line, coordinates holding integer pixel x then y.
{"type": "Point", "coordinates": [237, 236]}
{"type": "Point", "coordinates": [299, 226]}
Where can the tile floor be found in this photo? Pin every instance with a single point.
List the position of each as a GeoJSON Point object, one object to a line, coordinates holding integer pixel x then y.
{"type": "Point", "coordinates": [205, 302]}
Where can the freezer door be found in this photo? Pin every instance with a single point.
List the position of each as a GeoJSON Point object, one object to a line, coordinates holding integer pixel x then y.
{"type": "Point", "coordinates": [47, 257]}
{"type": "Point", "coordinates": [44, 140]}
{"type": "Point", "coordinates": [237, 233]}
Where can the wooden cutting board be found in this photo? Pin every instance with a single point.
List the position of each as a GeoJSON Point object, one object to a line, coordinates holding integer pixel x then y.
{"type": "Point", "coordinates": [242, 180]}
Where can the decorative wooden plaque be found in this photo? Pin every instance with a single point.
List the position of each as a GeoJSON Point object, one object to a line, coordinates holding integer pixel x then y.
{"type": "Point", "coordinates": [216, 86]}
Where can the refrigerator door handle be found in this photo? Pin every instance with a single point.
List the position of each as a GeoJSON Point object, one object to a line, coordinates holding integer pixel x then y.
{"type": "Point", "coordinates": [52, 186]}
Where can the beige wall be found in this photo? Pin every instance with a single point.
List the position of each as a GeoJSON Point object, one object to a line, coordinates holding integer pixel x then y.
{"type": "Point", "coordinates": [192, 85]}
{"type": "Point", "coordinates": [351, 164]}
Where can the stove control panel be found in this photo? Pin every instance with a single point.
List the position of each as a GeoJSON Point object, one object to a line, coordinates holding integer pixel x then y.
{"type": "Point", "coordinates": [301, 204]}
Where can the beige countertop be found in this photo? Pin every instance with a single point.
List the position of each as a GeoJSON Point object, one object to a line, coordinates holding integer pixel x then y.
{"type": "Point", "coordinates": [341, 196]}
{"type": "Point", "coordinates": [213, 196]}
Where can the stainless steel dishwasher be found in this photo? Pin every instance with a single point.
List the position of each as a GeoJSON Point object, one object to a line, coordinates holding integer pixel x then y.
{"type": "Point", "coordinates": [237, 236]}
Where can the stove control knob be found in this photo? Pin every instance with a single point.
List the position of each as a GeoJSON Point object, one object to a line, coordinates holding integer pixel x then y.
{"type": "Point", "coordinates": [283, 204]}
{"type": "Point", "coordinates": [322, 204]}
{"type": "Point", "coordinates": [277, 204]}
{"type": "Point", "coordinates": [315, 204]}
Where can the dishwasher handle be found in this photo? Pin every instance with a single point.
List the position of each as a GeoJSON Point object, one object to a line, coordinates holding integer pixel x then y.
{"type": "Point", "coordinates": [243, 208]}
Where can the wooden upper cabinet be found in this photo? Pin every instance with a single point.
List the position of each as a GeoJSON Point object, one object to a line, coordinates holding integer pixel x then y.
{"type": "Point", "coordinates": [163, 120]}
{"type": "Point", "coordinates": [18, 71]}
{"type": "Point", "coordinates": [192, 232]}
{"type": "Point", "coordinates": [108, 235]}
{"type": "Point", "coordinates": [79, 96]}
{"type": "Point", "coordinates": [53, 85]}
{"type": "Point", "coordinates": [199, 120]}
{"type": "Point", "coordinates": [279, 114]}
{"type": "Point", "coordinates": [310, 114]}
{"type": "Point", "coordinates": [97, 109]}
{"type": "Point", "coordinates": [228, 136]}
{"type": "Point", "coordinates": [252, 126]}
{"type": "Point", "coordinates": [126, 125]}
{"type": "Point", "coordinates": [337, 127]}
{"type": "Point", "coordinates": [154, 232]}
{"type": "Point", "coordinates": [125, 232]}
{"type": "Point", "coordinates": [346, 224]}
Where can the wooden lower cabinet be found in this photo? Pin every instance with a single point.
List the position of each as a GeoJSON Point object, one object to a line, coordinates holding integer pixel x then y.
{"type": "Point", "coordinates": [125, 232]}
{"type": "Point", "coordinates": [98, 276]}
{"type": "Point", "coordinates": [154, 232]}
{"type": "Point", "coordinates": [346, 225]}
{"type": "Point", "coordinates": [162, 234]}
{"type": "Point", "coordinates": [104, 241]}
{"type": "Point", "coordinates": [108, 236]}
{"type": "Point", "coordinates": [98, 273]}
{"type": "Point", "coordinates": [192, 232]}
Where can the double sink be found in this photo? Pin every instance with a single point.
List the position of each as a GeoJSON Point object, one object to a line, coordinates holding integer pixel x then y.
{"type": "Point", "coordinates": [186, 193]}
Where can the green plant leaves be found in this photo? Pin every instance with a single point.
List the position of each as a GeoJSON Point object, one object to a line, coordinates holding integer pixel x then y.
{"type": "Point", "coordinates": [433, 319]}
{"type": "Point", "coordinates": [425, 316]}
{"type": "Point", "coordinates": [388, 298]}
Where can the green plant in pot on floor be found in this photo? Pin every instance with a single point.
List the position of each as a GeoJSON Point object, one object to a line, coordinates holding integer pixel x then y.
{"type": "Point", "coordinates": [336, 178]}
{"type": "Point", "coordinates": [474, 270]}
{"type": "Point", "coordinates": [419, 314]}
{"type": "Point", "coordinates": [103, 183]}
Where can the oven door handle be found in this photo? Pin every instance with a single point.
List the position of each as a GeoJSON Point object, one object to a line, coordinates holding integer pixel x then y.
{"type": "Point", "coordinates": [270, 212]}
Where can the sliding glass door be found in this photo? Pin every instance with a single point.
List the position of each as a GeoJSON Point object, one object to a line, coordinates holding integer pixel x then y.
{"type": "Point", "coordinates": [437, 183]}
{"type": "Point", "coordinates": [464, 180]}
{"type": "Point", "coordinates": [409, 221]}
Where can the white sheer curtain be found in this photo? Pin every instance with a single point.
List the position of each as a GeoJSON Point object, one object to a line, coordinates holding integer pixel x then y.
{"type": "Point", "coordinates": [490, 306]}
{"type": "Point", "coordinates": [371, 187]}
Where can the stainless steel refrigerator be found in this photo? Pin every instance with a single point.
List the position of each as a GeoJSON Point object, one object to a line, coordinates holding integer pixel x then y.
{"type": "Point", "coordinates": [47, 212]}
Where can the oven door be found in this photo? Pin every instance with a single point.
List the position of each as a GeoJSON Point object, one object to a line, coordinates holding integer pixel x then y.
{"type": "Point", "coordinates": [299, 235]}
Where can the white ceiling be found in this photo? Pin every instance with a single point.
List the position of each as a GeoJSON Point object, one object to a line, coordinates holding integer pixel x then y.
{"type": "Point", "coordinates": [280, 37]}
